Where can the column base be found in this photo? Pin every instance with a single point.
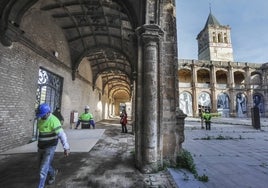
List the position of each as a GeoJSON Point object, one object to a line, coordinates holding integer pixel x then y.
{"type": "Point", "coordinates": [150, 168]}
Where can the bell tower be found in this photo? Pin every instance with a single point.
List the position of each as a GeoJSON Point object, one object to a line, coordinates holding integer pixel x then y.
{"type": "Point", "coordinates": [214, 41]}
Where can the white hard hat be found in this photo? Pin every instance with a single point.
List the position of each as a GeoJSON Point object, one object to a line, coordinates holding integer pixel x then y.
{"type": "Point", "coordinates": [86, 107]}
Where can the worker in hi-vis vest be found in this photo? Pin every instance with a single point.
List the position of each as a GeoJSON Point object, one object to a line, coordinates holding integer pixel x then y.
{"type": "Point", "coordinates": [50, 131]}
{"type": "Point", "coordinates": [86, 118]}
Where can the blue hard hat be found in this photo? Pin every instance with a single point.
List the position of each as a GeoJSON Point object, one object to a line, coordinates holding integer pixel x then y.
{"type": "Point", "coordinates": [42, 110]}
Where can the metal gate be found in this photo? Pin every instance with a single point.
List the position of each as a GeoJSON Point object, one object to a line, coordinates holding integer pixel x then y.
{"type": "Point", "coordinates": [49, 89]}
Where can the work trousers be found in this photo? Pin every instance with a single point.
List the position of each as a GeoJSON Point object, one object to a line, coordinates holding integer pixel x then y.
{"type": "Point", "coordinates": [45, 159]}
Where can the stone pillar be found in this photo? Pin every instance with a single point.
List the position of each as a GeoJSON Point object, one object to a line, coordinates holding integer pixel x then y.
{"type": "Point", "coordinates": [133, 98]}
{"type": "Point", "coordinates": [264, 79]}
{"type": "Point", "coordinates": [169, 128]}
{"type": "Point", "coordinates": [150, 36]}
{"type": "Point", "coordinates": [213, 88]}
{"type": "Point", "coordinates": [194, 95]}
{"type": "Point", "coordinates": [249, 91]}
{"type": "Point", "coordinates": [247, 79]}
{"type": "Point", "coordinates": [231, 76]}
{"type": "Point", "coordinates": [231, 90]}
{"type": "Point", "coordinates": [180, 127]}
{"type": "Point", "coordinates": [265, 88]}
{"type": "Point", "coordinates": [138, 113]}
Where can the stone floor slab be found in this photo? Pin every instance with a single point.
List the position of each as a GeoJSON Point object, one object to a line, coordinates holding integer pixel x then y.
{"type": "Point", "coordinates": [234, 156]}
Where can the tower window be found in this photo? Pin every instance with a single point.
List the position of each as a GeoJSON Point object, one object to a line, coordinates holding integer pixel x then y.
{"type": "Point", "coordinates": [220, 37]}
{"type": "Point", "coordinates": [214, 39]}
{"type": "Point", "coordinates": [225, 38]}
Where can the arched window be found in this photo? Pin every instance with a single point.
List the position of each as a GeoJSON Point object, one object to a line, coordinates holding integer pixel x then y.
{"type": "Point", "coordinates": [214, 38]}
{"type": "Point", "coordinates": [219, 37]}
{"type": "Point", "coordinates": [225, 38]}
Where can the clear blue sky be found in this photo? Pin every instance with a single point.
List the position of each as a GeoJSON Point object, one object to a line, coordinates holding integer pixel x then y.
{"type": "Point", "coordinates": [248, 20]}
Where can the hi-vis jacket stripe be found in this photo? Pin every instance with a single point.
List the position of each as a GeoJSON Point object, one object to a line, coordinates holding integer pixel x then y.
{"type": "Point", "coordinates": [48, 132]}
{"type": "Point", "coordinates": [49, 136]}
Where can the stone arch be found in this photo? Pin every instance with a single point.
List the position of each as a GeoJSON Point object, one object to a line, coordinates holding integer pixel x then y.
{"type": "Point", "coordinates": [255, 79]}
{"type": "Point", "coordinates": [239, 77]}
{"type": "Point", "coordinates": [221, 77]}
{"type": "Point", "coordinates": [105, 57]}
{"type": "Point", "coordinates": [185, 75]}
{"type": "Point", "coordinates": [203, 76]}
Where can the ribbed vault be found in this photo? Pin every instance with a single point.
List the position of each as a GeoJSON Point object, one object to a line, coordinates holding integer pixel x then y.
{"type": "Point", "coordinates": [103, 31]}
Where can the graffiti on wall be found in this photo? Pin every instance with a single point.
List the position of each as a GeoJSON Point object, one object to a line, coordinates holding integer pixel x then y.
{"type": "Point", "coordinates": [204, 100]}
{"type": "Point", "coordinates": [241, 105]}
{"type": "Point", "coordinates": [223, 104]}
{"type": "Point", "coordinates": [186, 103]}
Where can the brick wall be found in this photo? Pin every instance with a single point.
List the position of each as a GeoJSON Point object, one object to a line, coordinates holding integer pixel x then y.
{"type": "Point", "coordinates": [19, 66]}
{"type": "Point", "coordinates": [18, 83]}
{"type": "Point", "coordinates": [17, 91]}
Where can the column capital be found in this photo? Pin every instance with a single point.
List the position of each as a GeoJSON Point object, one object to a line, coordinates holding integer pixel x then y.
{"type": "Point", "coordinates": [150, 32]}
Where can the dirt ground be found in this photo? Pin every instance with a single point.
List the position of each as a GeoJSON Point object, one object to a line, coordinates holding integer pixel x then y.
{"type": "Point", "coordinates": [110, 164]}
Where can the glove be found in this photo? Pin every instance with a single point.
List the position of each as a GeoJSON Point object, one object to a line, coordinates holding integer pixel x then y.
{"type": "Point", "coordinates": [66, 152]}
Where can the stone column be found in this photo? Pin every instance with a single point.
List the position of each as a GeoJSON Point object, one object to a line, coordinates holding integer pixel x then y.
{"type": "Point", "coordinates": [231, 90]}
{"type": "Point", "coordinates": [264, 78]}
{"type": "Point", "coordinates": [150, 36]}
{"type": "Point", "coordinates": [213, 88]}
{"type": "Point", "coordinates": [247, 79]}
{"type": "Point", "coordinates": [249, 91]}
{"type": "Point", "coordinates": [133, 100]}
{"type": "Point", "coordinates": [194, 95]}
{"type": "Point", "coordinates": [138, 113]}
{"type": "Point", "coordinates": [265, 88]}
{"type": "Point", "coordinates": [231, 76]}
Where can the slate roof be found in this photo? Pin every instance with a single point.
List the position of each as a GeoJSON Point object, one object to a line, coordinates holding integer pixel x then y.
{"type": "Point", "coordinates": [212, 21]}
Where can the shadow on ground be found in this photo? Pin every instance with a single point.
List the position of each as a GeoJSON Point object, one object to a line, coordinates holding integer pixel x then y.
{"type": "Point", "coordinates": [110, 163]}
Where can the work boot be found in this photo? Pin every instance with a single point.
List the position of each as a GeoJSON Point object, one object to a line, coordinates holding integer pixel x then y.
{"type": "Point", "coordinates": [51, 179]}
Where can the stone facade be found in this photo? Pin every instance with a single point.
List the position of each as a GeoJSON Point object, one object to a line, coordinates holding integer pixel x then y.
{"type": "Point", "coordinates": [216, 82]}
{"type": "Point", "coordinates": [221, 84]}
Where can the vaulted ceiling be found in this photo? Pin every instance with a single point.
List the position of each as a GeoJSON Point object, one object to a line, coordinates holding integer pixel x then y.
{"type": "Point", "coordinates": [103, 31]}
